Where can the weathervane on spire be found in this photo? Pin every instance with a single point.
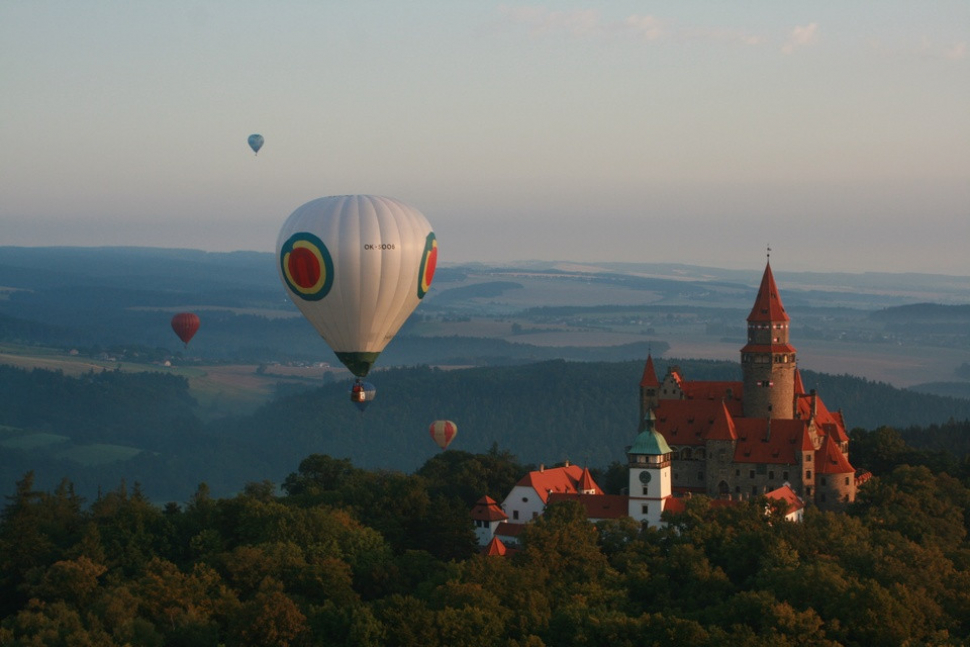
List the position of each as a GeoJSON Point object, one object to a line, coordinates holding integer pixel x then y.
{"type": "Point", "coordinates": [769, 252]}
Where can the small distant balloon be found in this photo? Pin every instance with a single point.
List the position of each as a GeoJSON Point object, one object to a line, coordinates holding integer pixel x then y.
{"type": "Point", "coordinates": [185, 325]}
{"type": "Point", "coordinates": [443, 432]}
{"type": "Point", "coordinates": [362, 394]}
{"type": "Point", "coordinates": [256, 142]}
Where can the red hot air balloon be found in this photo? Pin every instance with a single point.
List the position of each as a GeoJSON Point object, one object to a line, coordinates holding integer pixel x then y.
{"type": "Point", "coordinates": [443, 432]}
{"type": "Point", "coordinates": [185, 324]}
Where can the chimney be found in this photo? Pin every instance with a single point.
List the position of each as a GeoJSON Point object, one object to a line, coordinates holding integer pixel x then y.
{"type": "Point", "coordinates": [814, 403]}
{"type": "Point", "coordinates": [542, 467]}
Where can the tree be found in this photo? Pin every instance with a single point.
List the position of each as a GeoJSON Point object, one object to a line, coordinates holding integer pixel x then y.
{"type": "Point", "coordinates": [270, 619]}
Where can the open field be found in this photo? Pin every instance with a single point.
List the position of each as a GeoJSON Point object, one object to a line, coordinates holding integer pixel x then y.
{"type": "Point", "coordinates": [28, 440]}
{"type": "Point", "coordinates": [219, 389]}
{"type": "Point", "coordinates": [98, 454]}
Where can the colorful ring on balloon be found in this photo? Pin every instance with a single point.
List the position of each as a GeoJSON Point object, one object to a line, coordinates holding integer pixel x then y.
{"type": "Point", "coordinates": [306, 266]}
{"type": "Point", "coordinates": [429, 260]}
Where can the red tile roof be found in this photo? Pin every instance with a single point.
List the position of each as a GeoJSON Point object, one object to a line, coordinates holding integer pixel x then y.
{"type": "Point", "coordinates": [559, 479]}
{"type": "Point", "coordinates": [767, 305]}
{"type": "Point", "coordinates": [713, 390]}
{"type": "Point", "coordinates": [831, 460]}
{"type": "Point", "coordinates": [598, 506]}
{"type": "Point", "coordinates": [675, 505]}
{"type": "Point", "coordinates": [689, 422]}
{"type": "Point", "coordinates": [495, 548]}
{"type": "Point", "coordinates": [786, 494]}
{"type": "Point", "coordinates": [779, 442]}
{"type": "Point", "coordinates": [487, 509]}
{"type": "Point", "coordinates": [723, 427]}
{"type": "Point", "coordinates": [649, 374]}
{"type": "Point", "coordinates": [508, 529]}
{"type": "Point", "coordinates": [768, 348]}
{"type": "Point", "coordinates": [586, 482]}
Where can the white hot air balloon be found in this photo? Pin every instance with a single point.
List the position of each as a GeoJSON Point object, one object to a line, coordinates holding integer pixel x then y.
{"type": "Point", "coordinates": [356, 266]}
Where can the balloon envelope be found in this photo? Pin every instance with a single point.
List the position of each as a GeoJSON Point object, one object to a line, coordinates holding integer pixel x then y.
{"type": "Point", "coordinates": [356, 266]}
{"type": "Point", "coordinates": [443, 432]}
{"type": "Point", "coordinates": [255, 142]}
{"type": "Point", "coordinates": [185, 325]}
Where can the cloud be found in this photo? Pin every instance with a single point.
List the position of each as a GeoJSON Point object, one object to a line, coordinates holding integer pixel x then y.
{"type": "Point", "coordinates": [540, 20]}
{"type": "Point", "coordinates": [800, 36]}
{"type": "Point", "coordinates": [646, 27]}
{"type": "Point", "coordinates": [581, 23]}
{"type": "Point", "coordinates": [957, 51]}
{"type": "Point", "coordinates": [723, 35]}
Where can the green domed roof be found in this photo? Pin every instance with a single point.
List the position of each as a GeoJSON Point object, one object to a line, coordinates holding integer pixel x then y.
{"type": "Point", "coordinates": [649, 441]}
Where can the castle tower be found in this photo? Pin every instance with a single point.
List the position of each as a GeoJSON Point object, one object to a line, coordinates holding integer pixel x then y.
{"type": "Point", "coordinates": [649, 390]}
{"type": "Point", "coordinates": [768, 360]}
{"type": "Point", "coordinates": [649, 462]}
{"type": "Point", "coordinates": [487, 515]}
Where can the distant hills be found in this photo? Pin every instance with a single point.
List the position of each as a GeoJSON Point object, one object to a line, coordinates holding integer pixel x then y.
{"type": "Point", "coordinates": [542, 359]}
{"type": "Point", "coordinates": [102, 428]}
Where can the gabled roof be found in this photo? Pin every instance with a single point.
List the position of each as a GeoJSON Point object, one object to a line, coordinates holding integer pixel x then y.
{"type": "Point", "coordinates": [767, 305]}
{"type": "Point", "coordinates": [723, 427]}
{"type": "Point", "coordinates": [829, 459]}
{"type": "Point", "coordinates": [487, 509]}
{"type": "Point", "coordinates": [558, 479]}
{"type": "Point", "coordinates": [690, 422]}
{"type": "Point", "coordinates": [649, 374]}
{"type": "Point", "coordinates": [787, 494]}
{"type": "Point", "coordinates": [827, 422]}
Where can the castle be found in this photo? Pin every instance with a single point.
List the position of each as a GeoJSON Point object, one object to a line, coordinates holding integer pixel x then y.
{"type": "Point", "coordinates": [749, 437]}
{"type": "Point", "coordinates": [764, 435]}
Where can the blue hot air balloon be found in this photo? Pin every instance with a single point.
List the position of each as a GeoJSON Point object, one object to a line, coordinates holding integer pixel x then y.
{"type": "Point", "coordinates": [256, 142]}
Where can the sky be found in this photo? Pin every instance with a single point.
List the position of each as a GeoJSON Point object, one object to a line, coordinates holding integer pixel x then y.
{"type": "Point", "coordinates": [837, 132]}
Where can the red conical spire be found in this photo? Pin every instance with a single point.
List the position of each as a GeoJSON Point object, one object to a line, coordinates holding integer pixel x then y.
{"type": "Point", "coordinates": [649, 374]}
{"type": "Point", "coordinates": [768, 306]}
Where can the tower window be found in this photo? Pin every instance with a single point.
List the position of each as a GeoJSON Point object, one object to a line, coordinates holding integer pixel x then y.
{"type": "Point", "coordinates": [645, 509]}
{"type": "Point", "coordinates": [808, 474]}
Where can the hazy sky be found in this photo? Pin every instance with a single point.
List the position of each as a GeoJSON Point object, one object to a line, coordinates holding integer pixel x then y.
{"type": "Point", "coordinates": [838, 132]}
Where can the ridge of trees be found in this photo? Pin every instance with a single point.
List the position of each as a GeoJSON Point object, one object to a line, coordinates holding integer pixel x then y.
{"type": "Point", "coordinates": [544, 412]}
{"type": "Point", "coordinates": [344, 556]}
